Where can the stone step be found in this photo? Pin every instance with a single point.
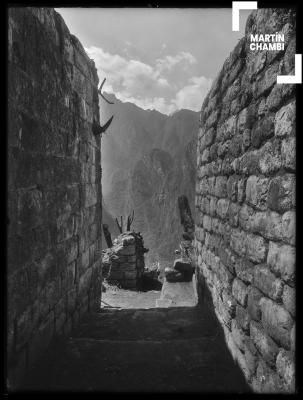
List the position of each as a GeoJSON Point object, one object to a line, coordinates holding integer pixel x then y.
{"type": "Point", "coordinates": [178, 294]}
{"type": "Point", "coordinates": [164, 303]}
{"type": "Point", "coordinates": [178, 349]}
{"type": "Point", "coordinates": [196, 365]}
{"type": "Point", "coordinates": [149, 324]}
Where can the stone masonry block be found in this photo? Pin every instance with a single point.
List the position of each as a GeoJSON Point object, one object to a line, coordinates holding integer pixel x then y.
{"type": "Point", "coordinates": [255, 248]}
{"type": "Point", "coordinates": [244, 270]}
{"type": "Point", "coordinates": [235, 146]}
{"type": "Point", "coordinates": [207, 223]}
{"type": "Point", "coordinates": [246, 119]}
{"type": "Point", "coordinates": [238, 334]}
{"type": "Point", "coordinates": [281, 193]}
{"type": "Point", "coordinates": [278, 96]}
{"type": "Point", "coordinates": [241, 190]}
{"type": "Point", "coordinates": [212, 185]}
{"type": "Point", "coordinates": [251, 357]}
{"type": "Point", "coordinates": [233, 214]}
{"type": "Point", "coordinates": [200, 234]}
{"type": "Point", "coordinates": [286, 369]}
{"type": "Point", "coordinates": [229, 301]}
{"type": "Point", "coordinates": [267, 282]}
{"type": "Point", "coordinates": [209, 136]}
{"type": "Point", "coordinates": [220, 188]}
{"type": "Point", "coordinates": [285, 120]}
{"type": "Point", "coordinates": [288, 151]}
{"type": "Point", "coordinates": [266, 81]}
{"type": "Point", "coordinates": [267, 380]}
{"type": "Point", "coordinates": [246, 217]}
{"type": "Point", "coordinates": [290, 39]}
{"type": "Point", "coordinates": [228, 258]}
{"type": "Point", "coordinates": [223, 313]}
{"type": "Point", "coordinates": [246, 139]}
{"type": "Point", "coordinates": [281, 259]}
{"type": "Point", "coordinates": [222, 207]}
{"type": "Point", "coordinates": [269, 157]}
{"type": "Point", "coordinates": [268, 224]}
{"type": "Point", "coordinates": [225, 276]}
{"type": "Point", "coordinates": [276, 321]}
{"type": "Point", "coordinates": [238, 242]}
{"type": "Point", "coordinates": [213, 206]}
{"type": "Point", "coordinates": [227, 130]}
{"type": "Point", "coordinates": [240, 291]}
{"type": "Point", "coordinates": [289, 299]}
{"type": "Point", "coordinates": [205, 156]}
{"type": "Point", "coordinates": [256, 64]}
{"type": "Point", "coordinates": [227, 167]}
{"type": "Point", "coordinates": [256, 192]}
{"type": "Point", "coordinates": [232, 187]}
{"type": "Point", "coordinates": [253, 303]}
{"type": "Point", "coordinates": [242, 317]}
{"type": "Point", "coordinates": [262, 130]}
{"type": "Point", "coordinates": [248, 163]}
{"type": "Point", "coordinates": [265, 345]}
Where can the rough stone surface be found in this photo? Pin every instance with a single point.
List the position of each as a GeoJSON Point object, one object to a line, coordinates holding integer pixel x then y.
{"type": "Point", "coordinates": [135, 350]}
{"type": "Point", "coordinates": [265, 345]}
{"type": "Point", "coordinates": [239, 290]}
{"type": "Point", "coordinates": [281, 259]}
{"type": "Point", "coordinates": [289, 299]}
{"type": "Point", "coordinates": [276, 321]}
{"type": "Point", "coordinates": [54, 185]}
{"type": "Point", "coordinates": [286, 368]}
{"type": "Point", "coordinates": [267, 282]}
{"type": "Point", "coordinates": [246, 252]}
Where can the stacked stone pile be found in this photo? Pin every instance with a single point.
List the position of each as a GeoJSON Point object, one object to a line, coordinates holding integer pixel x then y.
{"type": "Point", "coordinates": [124, 262]}
{"type": "Point", "coordinates": [245, 201]}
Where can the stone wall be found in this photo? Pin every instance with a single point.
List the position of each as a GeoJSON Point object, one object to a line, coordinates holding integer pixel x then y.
{"type": "Point", "coordinates": [54, 185]}
{"type": "Point", "coordinates": [245, 201]}
{"type": "Point", "coordinates": [123, 263]}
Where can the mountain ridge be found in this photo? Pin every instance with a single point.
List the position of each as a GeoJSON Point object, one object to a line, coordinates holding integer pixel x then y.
{"type": "Point", "coordinates": [148, 160]}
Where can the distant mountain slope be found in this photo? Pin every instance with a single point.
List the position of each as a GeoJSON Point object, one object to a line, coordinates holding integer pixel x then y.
{"type": "Point", "coordinates": [148, 160]}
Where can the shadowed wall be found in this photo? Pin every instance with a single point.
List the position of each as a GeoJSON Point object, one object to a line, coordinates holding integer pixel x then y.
{"type": "Point", "coordinates": [54, 185]}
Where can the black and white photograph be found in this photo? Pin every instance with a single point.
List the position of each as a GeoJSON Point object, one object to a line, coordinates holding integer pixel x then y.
{"type": "Point", "coordinates": [151, 198]}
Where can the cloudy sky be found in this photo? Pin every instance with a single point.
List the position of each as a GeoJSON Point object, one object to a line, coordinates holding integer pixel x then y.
{"type": "Point", "coordinates": [163, 59]}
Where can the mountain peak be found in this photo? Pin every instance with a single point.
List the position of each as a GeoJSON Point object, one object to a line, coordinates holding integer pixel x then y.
{"type": "Point", "coordinates": [183, 111]}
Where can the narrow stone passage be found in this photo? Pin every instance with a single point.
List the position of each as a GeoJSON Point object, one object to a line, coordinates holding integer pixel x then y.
{"type": "Point", "coordinates": [152, 350]}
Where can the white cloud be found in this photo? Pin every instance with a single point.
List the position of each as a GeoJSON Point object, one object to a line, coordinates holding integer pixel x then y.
{"type": "Point", "coordinates": [132, 76]}
{"type": "Point", "coordinates": [169, 62]}
{"type": "Point", "coordinates": [149, 87]}
{"type": "Point", "coordinates": [192, 95]}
